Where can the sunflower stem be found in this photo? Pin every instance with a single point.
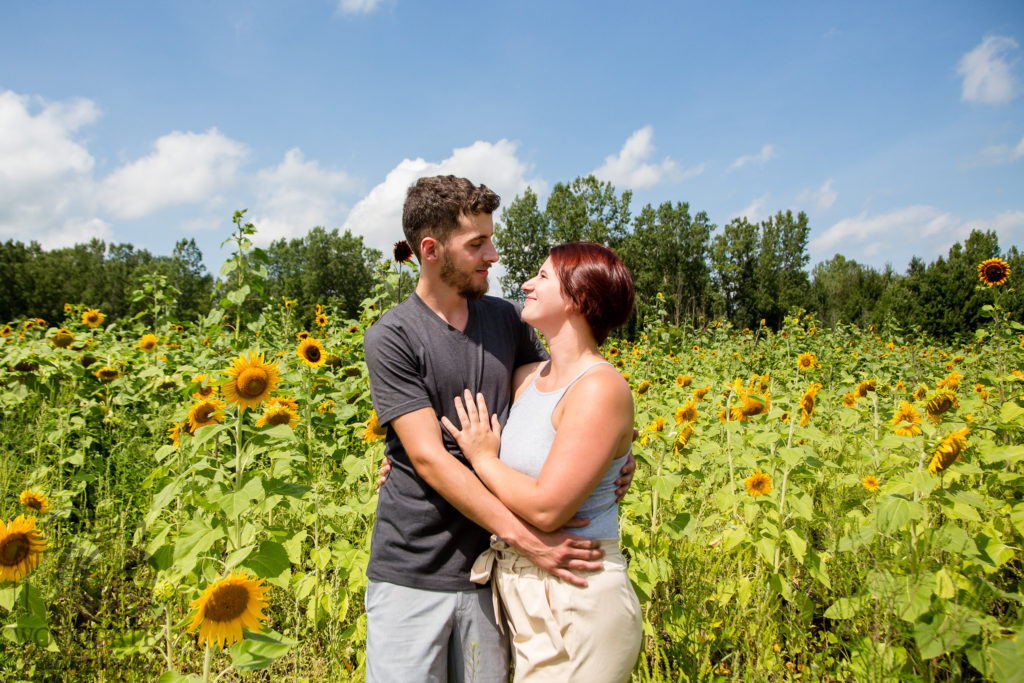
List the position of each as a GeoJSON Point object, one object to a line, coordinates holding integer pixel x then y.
{"type": "Point", "coordinates": [167, 638]}
{"type": "Point", "coordinates": [206, 663]}
{"type": "Point", "coordinates": [239, 468]}
{"type": "Point", "coordinates": [728, 449]}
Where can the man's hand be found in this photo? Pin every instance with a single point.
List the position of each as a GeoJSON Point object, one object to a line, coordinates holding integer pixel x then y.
{"type": "Point", "coordinates": [561, 553]}
{"type": "Point", "coordinates": [626, 478]}
{"type": "Point", "coordinates": [385, 469]}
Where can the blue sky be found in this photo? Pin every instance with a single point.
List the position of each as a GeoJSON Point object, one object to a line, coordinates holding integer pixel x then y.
{"type": "Point", "coordinates": [897, 126]}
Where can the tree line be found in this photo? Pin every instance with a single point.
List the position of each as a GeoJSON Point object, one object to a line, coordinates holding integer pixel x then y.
{"type": "Point", "coordinates": [744, 272]}
{"type": "Point", "coordinates": [747, 272]}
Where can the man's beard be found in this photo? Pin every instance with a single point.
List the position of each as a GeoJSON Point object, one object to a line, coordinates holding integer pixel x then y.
{"type": "Point", "coordinates": [461, 280]}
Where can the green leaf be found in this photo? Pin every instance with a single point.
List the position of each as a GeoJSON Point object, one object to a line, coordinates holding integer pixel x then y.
{"type": "Point", "coordinates": [228, 267]}
{"type": "Point", "coordinates": [175, 677]}
{"type": "Point", "coordinates": [1011, 411]}
{"type": "Point", "coordinates": [936, 634]}
{"type": "Point", "coordinates": [237, 556]}
{"type": "Point", "coordinates": [271, 563]}
{"type": "Point", "coordinates": [797, 544]}
{"type": "Point", "coordinates": [8, 596]}
{"type": "Point", "coordinates": [944, 586]}
{"type": "Point", "coordinates": [844, 608]}
{"type": "Point", "coordinates": [680, 526]}
{"type": "Point", "coordinates": [895, 513]}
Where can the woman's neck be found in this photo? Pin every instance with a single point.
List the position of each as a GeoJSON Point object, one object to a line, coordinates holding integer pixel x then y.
{"type": "Point", "coordinates": [572, 348]}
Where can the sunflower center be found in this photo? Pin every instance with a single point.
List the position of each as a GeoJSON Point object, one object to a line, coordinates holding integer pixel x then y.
{"type": "Point", "coordinates": [205, 392]}
{"type": "Point", "coordinates": [204, 412]}
{"type": "Point", "coordinates": [34, 504]}
{"type": "Point", "coordinates": [993, 272]}
{"type": "Point", "coordinates": [252, 382]}
{"type": "Point", "coordinates": [313, 354]}
{"type": "Point", "coordinates": [227, 603]}
{"type": "Point", "coordinates": [278, 417]}
{"type": "Point", "coordinates": [14, 549]}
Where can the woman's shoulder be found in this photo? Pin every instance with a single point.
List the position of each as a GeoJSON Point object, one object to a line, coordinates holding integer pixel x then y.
{"type": "Point", "coordinates": [602, 382]}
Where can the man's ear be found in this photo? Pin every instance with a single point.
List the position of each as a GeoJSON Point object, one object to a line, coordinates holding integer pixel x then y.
{"type": "Point", "coordinates": [430, 248]}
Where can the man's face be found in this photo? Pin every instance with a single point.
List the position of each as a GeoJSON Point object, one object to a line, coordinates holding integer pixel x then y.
{"type": "Point", "coordinates": [468, 255]}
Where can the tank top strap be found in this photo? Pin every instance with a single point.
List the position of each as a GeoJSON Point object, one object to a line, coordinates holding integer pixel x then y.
{"type": "Point", "coordinates": [585, 371]}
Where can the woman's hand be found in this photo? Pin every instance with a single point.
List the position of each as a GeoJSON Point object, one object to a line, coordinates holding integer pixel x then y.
{"type": "Point", "coordinates": [479, 437]}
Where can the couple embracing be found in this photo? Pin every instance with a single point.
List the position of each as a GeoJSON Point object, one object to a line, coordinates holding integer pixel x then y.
{"type": "Point", "coordinates": [456, 375]}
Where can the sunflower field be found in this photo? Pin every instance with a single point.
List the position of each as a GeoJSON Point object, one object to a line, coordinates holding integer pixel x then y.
{"type": "Point", "coordinates": [194, 503]}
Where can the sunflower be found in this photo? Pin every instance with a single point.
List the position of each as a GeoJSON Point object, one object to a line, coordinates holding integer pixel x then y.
{"type": "Point", "coordinates": [643, 388]}
{"type": "Point", "coordinates": [62, 339]}
{"type": "Point", "coordinates": [807, 404]}
{"type": "Point", "coordinates": [288, 303]}
{"type": "Point", "coordinates": [657, 425]}
{"type": "Point", "coordinates": [981, 390]}
{"type": "Point", "coordinates": [948, 451]}
{"type": "Point", "coordinates": [174, 432]}
{"type": "Point", "coordinates": [21, 546]}
{"type": "Point", "coordinates": [205, 413]}
{"type": "Point", "coordinates": [807, 361]}
{"type": "Point", "coordinates": [26, 366]}
{"type": "Point", "coordinates": [699, 394]}
{"type": "Point", "coordinates": [148, 342]}
{"type": "Point", "coordinates": [285, 401]}
{"type": "Point", "coordinates": [951, 382]}
{"type": "Point", "coordinates": [993, 272]}
{"type": "Point", "coordinates": [850, 399]}
{"type": "Point", "coordinates": [28, 325]}
{"type": "Point", "coordinates": [696, 348]}
{"type": "Point", "coordinates": [939, 403]}
{"type": "Point", "coordinates": [920, 392]}
{"type": "Point", "coordinates": [321, 320]}
{"type": "Point", "coordinates": [251, 381]}
{"type": "Point", "coordinates": [758, 484]}
{"type": "Point", "coordinates": [326, 407]}
{"type": "Point", "coordinates": [227, 606]}
{"type": "Point", "coordinates": [864, 387]}
{"type": "Point", "coordinates": [684, 380]}
{"type": "Point", "coordinates": [683, 437]}
{"type": "Point", "coordinates": [34, 501]}
{"type": "Point", "coordinates": [92, 317]}
{"type": "Point", "coordinates": [402, 252]}
{"type": "Point", "coordinates": [311, 351]}
{"type": "Point", "coordinates": [906, 420]}
{"type": "Point", "coordinates": [688, 413]}
{"type": "Point", "coordinates": [6, 331]}
{"type": "Point", "coordinates": [373, 431]}
{"type": "Point", "coordinates": [86, 361]}
{"type": "Point", "coordinates": [302, 336]}
{"type": "Point", "coordinates": [205, 390]}
{"type": "Point", "coordinates": [107, 374]}
{"type": "Point", "coordinates": [278, 414]}
{"type": "Point", "coordinates": [870, 483]}
{"type": "Point", "coordinates": [613, 351]}
{"type": "Point", "coordinates": [754, 405]}
{"type": "Point", "coordinates": [68, 308]}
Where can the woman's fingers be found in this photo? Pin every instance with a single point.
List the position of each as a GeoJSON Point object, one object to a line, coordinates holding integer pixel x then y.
{"type": "Point", "coordinates": [450, 427]}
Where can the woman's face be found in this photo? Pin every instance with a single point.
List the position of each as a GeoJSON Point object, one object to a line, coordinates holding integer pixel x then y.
{"type": "Point", "coordinates": [544, 298]}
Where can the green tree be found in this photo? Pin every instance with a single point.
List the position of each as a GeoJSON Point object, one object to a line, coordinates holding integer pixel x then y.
{"type": "Point", "coordinates": [522, 237]}
{"type": "Point", "coordinates": [588, 209]}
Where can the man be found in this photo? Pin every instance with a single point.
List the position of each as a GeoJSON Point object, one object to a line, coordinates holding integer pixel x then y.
{"type": "Point", "coordinates": [425, 619]}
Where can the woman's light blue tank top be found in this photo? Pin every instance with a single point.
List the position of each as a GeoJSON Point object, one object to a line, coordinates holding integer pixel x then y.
{"type": "Point", "coordinates": [526, 441]}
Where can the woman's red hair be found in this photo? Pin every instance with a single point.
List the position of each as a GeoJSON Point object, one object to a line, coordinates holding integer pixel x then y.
{"type": "Point", "coordinates": [598, 284]}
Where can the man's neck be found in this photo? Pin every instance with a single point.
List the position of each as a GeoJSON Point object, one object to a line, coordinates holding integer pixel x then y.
{"type": "Point", "coordinates": [443, 300]}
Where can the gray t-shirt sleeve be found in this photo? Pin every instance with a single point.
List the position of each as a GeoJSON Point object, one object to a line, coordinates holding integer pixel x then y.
{"type": "Point", "coordinates": [396, 380]}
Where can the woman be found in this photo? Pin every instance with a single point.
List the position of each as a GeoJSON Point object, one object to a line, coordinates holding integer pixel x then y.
{"type": "Point", "coordinates": [567, 435]}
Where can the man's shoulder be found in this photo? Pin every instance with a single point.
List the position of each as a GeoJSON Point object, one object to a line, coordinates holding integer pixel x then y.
{"type": "Point", "coordinates": [496, 305]}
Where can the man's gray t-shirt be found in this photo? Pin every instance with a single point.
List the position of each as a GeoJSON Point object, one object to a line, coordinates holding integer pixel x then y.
{"type": "Point", "coordinates": [417, 360]}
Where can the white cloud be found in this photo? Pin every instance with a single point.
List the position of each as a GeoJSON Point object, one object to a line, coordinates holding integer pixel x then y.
{"type": "Point", "coordinates": [920, 230]}
{"type": "Point", "coordinates": [184, 168]}
{"type": "Point", "coordinates": [755, 212]}
{"type": "Point", "coordinates": [358, 6]}
{"type": "Point", "coordinates": [767, 152]}
{"type": "Point", "coordinates": [629, 167]}
{"type": "Point", "coordinates": [998, 154]}
{"type": "Point", "coordinates": [76, 231]}
{"type": "Point", "coordinates": [45, 174]}
{"type": "Point", "coordinates": [988, 76]}
{"type": "Point", "coordinates": [297, 195]}
{"type": "Point", "coordinates": [823, 198]}
{"type": "Point", "coordinates": [378, 215]}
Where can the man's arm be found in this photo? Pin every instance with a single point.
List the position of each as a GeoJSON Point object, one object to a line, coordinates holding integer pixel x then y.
{"type": "Point", "coordinates": [558, 553]}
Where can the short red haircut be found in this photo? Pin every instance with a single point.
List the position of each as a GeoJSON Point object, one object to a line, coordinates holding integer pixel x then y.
{"type": "Point", "coordinates": [598, 284]}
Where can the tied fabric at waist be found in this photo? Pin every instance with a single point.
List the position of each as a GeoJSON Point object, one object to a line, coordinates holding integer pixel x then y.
{"type": "Point", "coordinates": [502, 556]}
